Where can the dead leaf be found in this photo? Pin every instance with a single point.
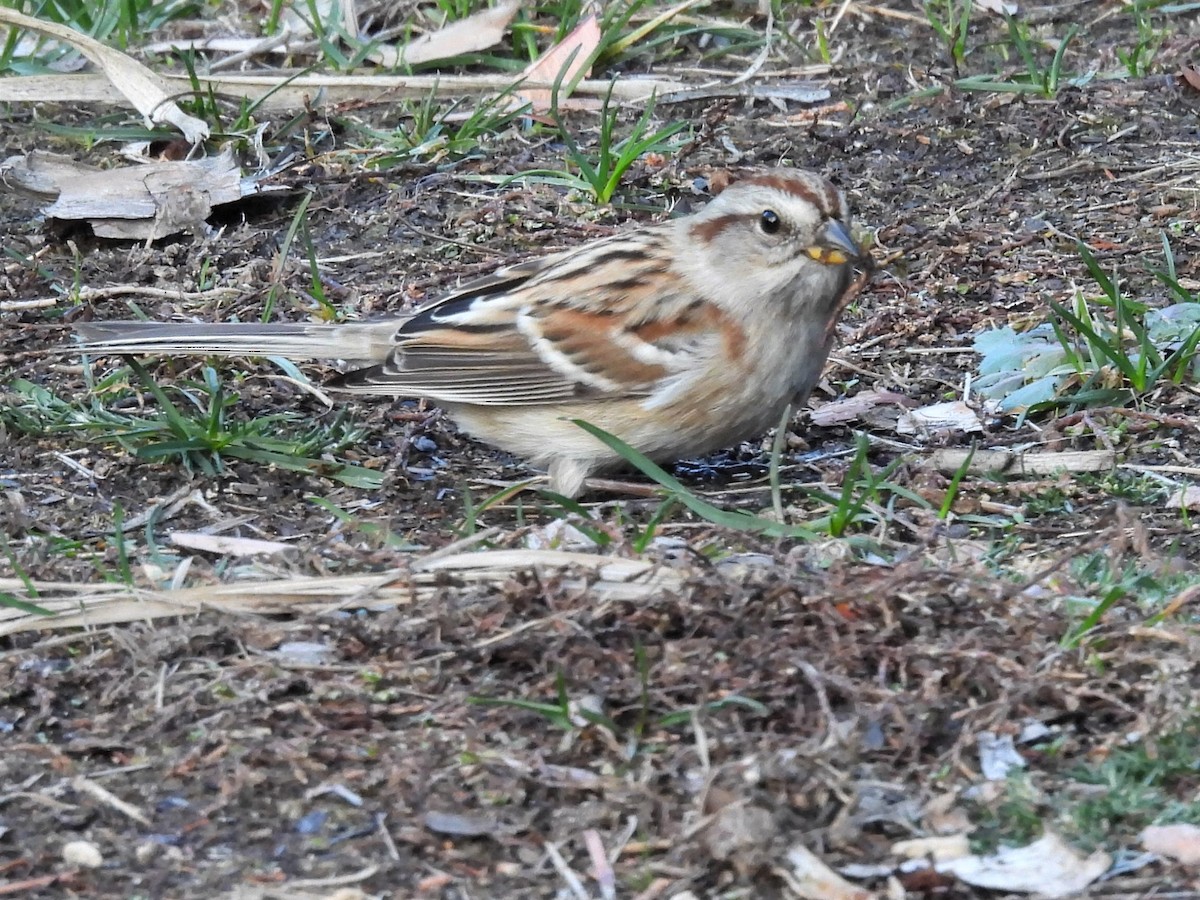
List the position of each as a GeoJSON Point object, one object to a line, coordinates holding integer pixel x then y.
{"type": "Point", "coordinates": [740, 832]}
{"type": "Point", "coordinates": [1191, 74]}
{"type": "Point", "coordinates": [997, 755]}
{"type": "Point", "coordinates": [1185, 498]}
{"type": "Point", "coordinates": [939, 849]}
{"type": "Point", "coordinates": [479, 31]}
{"type": "Point", "coordinates": [463, 824]}
{"type": "Point", "coordinates": [140, 86]}
{"type": "Point", "coordinates": [999, 7]}
{"type": "Point", "coordinates": [226, 545]}
{"type": "Point", "coordinates": [811, 879]}
{"type": "Point", "coordinates": [848, 409]}
{"type": "Point", "coordinates": [297, 20]}
{"type": "Point", "coordinates": [938, 417]}
{"type": "Point", "coordinates": [1178, 842]}
{"type": "Point", "coordinates": [559, 534]}
{"type": "Point", "coordinates": [567, 60]}
{"type": "Point", "coordinates": [303, 653]}
{"type": "Point", "coordinates": [1048, 866]}
{"type": "Point", "coordinates": [943, 815]}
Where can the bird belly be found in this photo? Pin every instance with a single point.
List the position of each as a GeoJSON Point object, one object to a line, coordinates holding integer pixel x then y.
{"type": "Point", "coordinates": [718, 409]}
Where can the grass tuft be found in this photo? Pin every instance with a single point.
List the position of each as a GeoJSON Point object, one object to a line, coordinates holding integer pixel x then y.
{"type": "Point", "coordinates": [194, 429]}
{"type": "Point", "coordinates": [599, 174]}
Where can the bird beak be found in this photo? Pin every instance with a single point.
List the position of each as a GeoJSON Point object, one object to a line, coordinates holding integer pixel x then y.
{"type": "Point", "coordinates": [835, 245]}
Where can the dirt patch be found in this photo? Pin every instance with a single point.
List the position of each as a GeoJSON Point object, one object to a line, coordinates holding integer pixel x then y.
{"type": "Point", "coordinates": [832, 691]}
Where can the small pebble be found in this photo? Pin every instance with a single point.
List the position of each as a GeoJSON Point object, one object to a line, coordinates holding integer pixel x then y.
{"type": "Point", "coordinates": [83, 854]}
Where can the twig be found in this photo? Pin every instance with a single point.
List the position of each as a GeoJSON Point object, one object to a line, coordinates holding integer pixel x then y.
{"type": "Point", "coordinates": [333, 881]}
{"type": "Point", "coordinates": [602, 868]}
{"type": "Point", "coordinates": [18, 305]}
{"type": "Point", "coordinates": [108, 798]}
{"type": "Point", "coordinates": [837, 18]}
{"type": "Point", "coordinates": [560, 864]}
{"type": "Point", "coordinates": [761, 59]}
{"type": "Point", "coordinates": [381, 824]}
{"type": "Point", "coordinates": [137, 290]}
{"type": "Point", "coordinates": [776, 456]}
{"type": "Point", "coordinates": [265, 45]}
{"type": "Point", "coordinates": [813, 677]}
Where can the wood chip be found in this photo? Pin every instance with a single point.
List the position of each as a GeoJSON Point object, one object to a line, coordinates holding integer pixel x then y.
{"type": "Point", "coordinates": [1017, 462]}
{"type": "Point", "coordinates": [141, 202]}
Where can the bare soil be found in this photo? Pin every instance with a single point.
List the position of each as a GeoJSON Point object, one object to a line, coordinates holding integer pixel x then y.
{"type": "Point", "coordinates": [832, 692]}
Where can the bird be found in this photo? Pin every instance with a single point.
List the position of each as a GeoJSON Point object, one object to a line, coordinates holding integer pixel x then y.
{"type": "Point", "coordinates": [679, 337]}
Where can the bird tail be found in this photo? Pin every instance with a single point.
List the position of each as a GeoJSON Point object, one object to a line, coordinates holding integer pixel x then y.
{"type": "Point", "coordinates": [362, 341]}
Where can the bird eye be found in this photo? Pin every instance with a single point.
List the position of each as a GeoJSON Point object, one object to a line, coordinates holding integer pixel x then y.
{"type": "Point", "coordinates": [769, 221]}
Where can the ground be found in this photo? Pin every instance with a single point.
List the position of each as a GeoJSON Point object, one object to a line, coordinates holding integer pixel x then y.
{"type": "Point", "coordinates": [430, 732]}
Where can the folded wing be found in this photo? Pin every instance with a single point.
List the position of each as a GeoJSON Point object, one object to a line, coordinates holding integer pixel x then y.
{"type": "Point", "coordinates": [613, 320]}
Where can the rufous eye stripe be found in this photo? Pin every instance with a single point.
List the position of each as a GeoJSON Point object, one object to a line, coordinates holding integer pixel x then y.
{"type": "Point", "coordinates": [707, 231]}
{"type": "Point", "coordinates": [793, 187]}
{"type": "Point", "coordinates": [833, 200]}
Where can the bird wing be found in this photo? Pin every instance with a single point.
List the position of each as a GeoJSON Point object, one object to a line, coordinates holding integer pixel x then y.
{"type": "Point", "coordinates": [613, 319]}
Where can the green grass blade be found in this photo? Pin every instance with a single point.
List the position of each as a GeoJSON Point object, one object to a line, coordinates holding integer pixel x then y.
{"type": "Point", "coordinates": [1097, 342]}
{"type": "Point", "coordinates": [734, 519]}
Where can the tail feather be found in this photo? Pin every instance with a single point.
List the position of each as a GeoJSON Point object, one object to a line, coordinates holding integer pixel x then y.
{"type": "Point", "coordinates": [366, 341]}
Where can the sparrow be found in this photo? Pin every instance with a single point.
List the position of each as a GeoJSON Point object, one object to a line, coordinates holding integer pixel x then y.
{"type": "Point", "coordinates": [679, 338]}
